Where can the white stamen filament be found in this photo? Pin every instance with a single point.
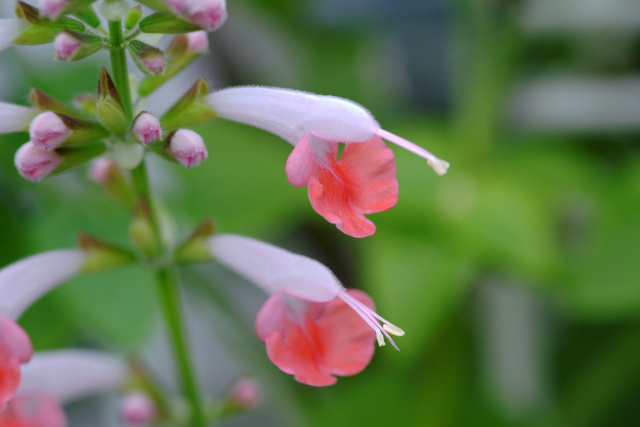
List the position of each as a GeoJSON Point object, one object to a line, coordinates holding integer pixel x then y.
{"type": "Point", "coordinates": [370, 316]}
{"type": "Point", "coordinates": [439, 166]}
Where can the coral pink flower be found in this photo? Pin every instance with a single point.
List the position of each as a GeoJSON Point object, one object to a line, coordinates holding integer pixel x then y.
{"type": "Point", "coordinates": [361, 181]}
{"type": "Point", "coordinates": [21, 284]}
{"type": "Point", "coordinates": [312, 326]}
{"type": "Point", "coordinates": [33, 410]}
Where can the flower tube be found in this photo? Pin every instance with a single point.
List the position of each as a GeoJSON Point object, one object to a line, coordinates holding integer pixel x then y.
{"type": "Point", "coordinates": [15, 118]}
{"type": "Point", "coordinates": [312, 326]}
{"type": "Point", "coordinates": [9, 30]}
{"type": "Point", "coordinates": [21, 284]}
{"type": "Point", "coordinates": [362, 181]}
{"type": "Point", "coordinates": [54, 378]}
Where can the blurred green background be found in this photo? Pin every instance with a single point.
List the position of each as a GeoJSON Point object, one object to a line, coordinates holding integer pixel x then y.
{"type": "Point", "coordinates": [515, 276]}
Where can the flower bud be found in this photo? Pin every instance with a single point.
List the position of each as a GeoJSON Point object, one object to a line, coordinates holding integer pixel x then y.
{"type": "Point", "coordinates": [246, 393]}
{"type": "Point", "coordinates": [198, 42]}
{"type": "Point", "coordinates": [52, 9]}
{"type": "Point", "coordinates": [109, 109]}
{"type": "Point", "coordinates": [187, 147]}
{"type": "Point", "coordinates": [72, 46]}
{"type": "Point", "coordinates": [47, 131]}
{"type": "Point", "coordinates": [133, 17]}
{"type": "Point", "coordinates": [137, 408]}
{"type": "Point", "coordinates": [146, 128]}
{"type": "Point", "coordinates": [127, 155]}
{"type": "Point", "coordinates": [149, 59]}
{"type": "Point", "coordinates": [86, 102]}
{"type": "Point", "coordinates": [141, 230]}
{"type": "Point", "coordinates": [114, 10]}
{"type": "Point", "coordinates": [105, 172]}
{"type": "Point", "coordinates": [35, 164]}
{"type": "Point", "coordinates": [208, 14]}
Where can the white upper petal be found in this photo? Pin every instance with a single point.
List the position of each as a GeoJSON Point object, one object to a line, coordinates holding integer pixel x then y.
{"type": "Point", "coordinates": [291, 114]}
{"type": "Point", "coordinates": [72, 374]}
{"type": "Point", "coordinates": [15, 118]}
{"type": "Point", "coordinates": [9, 30]}
{"type": "Point", "coordinates": [24, 281]}
{"type": "Point", "coordinates": [274, 269]}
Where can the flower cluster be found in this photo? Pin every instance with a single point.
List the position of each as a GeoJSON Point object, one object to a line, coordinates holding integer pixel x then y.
{"type": "Point", "coordinates": [313, 328]}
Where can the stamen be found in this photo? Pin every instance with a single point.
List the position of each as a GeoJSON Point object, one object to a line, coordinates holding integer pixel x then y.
{"type": "Point", "coordinates": [380, 339]}
{"type": "Point", "coordinates": [439, 166]}
{"type": "Point", "coordinates": [393, 329]}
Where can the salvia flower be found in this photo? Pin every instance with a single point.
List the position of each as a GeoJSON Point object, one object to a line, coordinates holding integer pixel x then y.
{"type": "Point", "coordinates": [9, 30]}
{"type": "Point", "coordinates": [34, 163]}
{"type": "Point", "coordinates": [15, 118]}
{"type": "Point", "coordinates": [312, 326]}
{"type": "Point", "coordinates": [362, 181]}
{"type": "Point", "coordinates": [21, 284]}
{"type": "Point", "coordinates": [187, 147]}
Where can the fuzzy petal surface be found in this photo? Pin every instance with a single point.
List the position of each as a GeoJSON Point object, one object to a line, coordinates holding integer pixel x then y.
{"type": "Point", "coordinates": [319, 342]}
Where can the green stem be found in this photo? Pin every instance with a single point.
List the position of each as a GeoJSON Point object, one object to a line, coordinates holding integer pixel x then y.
{"type": "Point", "coordinates": [170, 300]}
{"type": "Point", "coordinates": [119, 66]}
{"type": "Point", "coordinates": [167, 280]}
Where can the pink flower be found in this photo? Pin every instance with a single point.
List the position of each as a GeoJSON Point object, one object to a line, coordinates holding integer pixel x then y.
{"type": "Point", "coordinates": [34, 163]}
{"type": "Point", "coordinates": [246, 393]}
{"type": "Point", "coordinates": [361, 181]}
{"type": "Point", "coordinates": [187, 147]}
{"type": "Point", "coordinates": [208, 14]}
{"type": "Point", "coordinates": [66, 46]}
{"type": "Point", "coordinates": [52, 9]}
{"type": "Point", "coordinates": [33, 410]}
{"type": "Point", "coordinates": [197, 41]}
{"type": "Point", "coordinates": [312, 326]}
{"type": "Point", "coordinates": [138, 408]}
{"type": "Point", "coordinates": [21, 284]}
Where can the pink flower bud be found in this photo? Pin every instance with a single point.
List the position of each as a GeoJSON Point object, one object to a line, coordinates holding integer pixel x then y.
{"type": "Point", "coordinates": [198, 41]}
{"type": "Point", "coordinates": [208, 14]}
{"type": "Point", "coordinates": [147, 128]}
{"type": "Point", "coordinates": [47, 131]}
{"type": "Point", "coordinates": [177, 6]}
{"type": "Point", "coordinates": [138, 409]}
{"type": "Point", "coordinates": [52, 8]}
{"type": "Point", "coordinates": [101, 169]}
{"type": "Point", "coordinates": [188, 148]}
{"type": "Point", "coordinates": [35, 164]}
{"type": "Point", "coordinates": [246, 393]}
{"type": "Point", "coordinates": [65, 45]}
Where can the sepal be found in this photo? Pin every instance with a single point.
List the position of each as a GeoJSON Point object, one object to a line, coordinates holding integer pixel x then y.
{"type": "Point", "coordinates": [46, 102]}
{"type": "Point", "coordinates": [188, 110]}
{"type": "Point", "coordinates": [181, 52]}
{"type": "Point", "coordinates": [89, 16]}
{"type": "Point", "coordinates": [103, 256]}
{"type": "Point", "coordinates": [109, 109]}
{"type": "Point", "coordinates": [195, 248]}
{"type": "Point", "coordinates": [82, 131]}
{"type": "Point", "coordinates": [149, 59]}
{"type": "Point", "coordinates": [76, 156]}
{"type": "Point", "coordinates": [166, 23]}
{"type": "Point", "coordinates": [133, 18]}
{"type": "Point", "coordinates": [141, 230]}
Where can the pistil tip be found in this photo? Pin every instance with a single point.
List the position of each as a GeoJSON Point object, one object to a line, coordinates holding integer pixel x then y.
{"type": "Point", "coordinates": [439, 166]}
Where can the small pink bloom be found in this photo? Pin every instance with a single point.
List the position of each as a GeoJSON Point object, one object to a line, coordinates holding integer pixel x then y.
{"type": "Point", "coordinates": [188, 148]}
{"type": "Point", "coordinates": [65, 45]}
{"type": "Point", "coordinates": [147, 128]}
{"type": "Point", "coordinates": [246, 393]}
{"type": "Point", "coordinates": [208, 14]}
{"type": "Point", "coordinates": [138, 409]}
{"type": "Point", "coordinates": [312, 326]}
{"type": "Point", "coordinates": [343, 190]}
{"type": "Point", "coordinates": [47, 131]}
{"type": "Point", "coordinates": [198, 41]}
{"type": "Point", "coordinates": [101, 169]}
{"type": "Point", "coordinates": [34, 163]}
{"type": "Point", "coordinates": [154, 63]}
{"type": "Point", "coordinates": [177, 6]}
{"type": "Point", "coordinates": [33, 410]}
{"type": "Point", "coordinates": [52, 8]}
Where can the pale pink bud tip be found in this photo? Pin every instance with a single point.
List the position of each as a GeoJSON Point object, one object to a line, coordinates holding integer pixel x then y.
{"type": "Point", "coordinates": [147, 128]}
{"type": "Point", "coordinates": [52, 8]}
{"type": "Point", "coordinates": [188, 148]}
{"type": "Point", "coordinates": [246, 393]}
{"type": "Point", "coordinates": [65, 46]}
{"type": "Point", "coordinates": [35, 164]}
{"type": "Point", "coordinates": [208, 14]}
{"type": "Point", "coordinates": [154, 63]}
{"type": "Point", "coordinates": [198, 41]}
{"type": "Point", "coordinates": [47, 131]}
{"type": "Point", "coordinates": [138, 409]}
